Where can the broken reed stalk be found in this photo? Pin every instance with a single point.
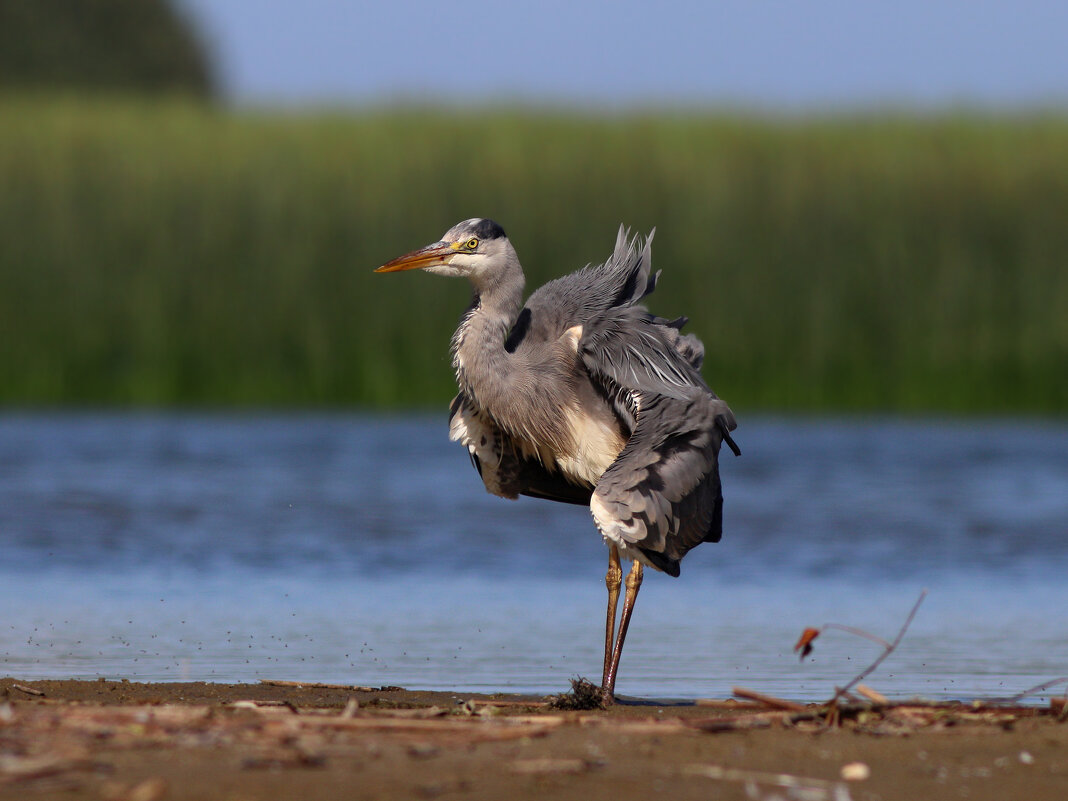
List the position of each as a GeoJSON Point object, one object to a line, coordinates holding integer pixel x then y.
{"type": "Point", "coordinates": [27, 689]}
{"type": "Point", "coordinates": [317, 685]}
{"type": "Point", "coordinates": [872, 695]}
{"type": "Point", "coordinates": [767, 700]}
{"type": "Point", "coordinates": [888, 648]}
{"type": "Point", "coordinates": [1039, 688]}
{"type": "Point", "coordinates": [804, 645]}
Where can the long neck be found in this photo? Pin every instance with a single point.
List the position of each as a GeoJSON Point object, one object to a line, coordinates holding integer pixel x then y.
{"type": "Point", "coordinates": [483, 366]}
{"type": "Point", "coordinates": [525, 396]}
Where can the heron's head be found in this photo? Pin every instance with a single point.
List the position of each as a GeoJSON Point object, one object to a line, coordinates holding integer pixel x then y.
{"type": "Point", "coordinates": [477, 249]}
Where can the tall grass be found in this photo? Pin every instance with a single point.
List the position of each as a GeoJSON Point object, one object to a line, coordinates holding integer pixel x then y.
{"type": "Point", "coordinates": [172, 254]}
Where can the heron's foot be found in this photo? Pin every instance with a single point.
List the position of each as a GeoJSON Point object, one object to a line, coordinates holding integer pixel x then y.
{"type": "Point", "coordinates": [608, 698]}
{"type": "Point", "coordinates": [584, 695]}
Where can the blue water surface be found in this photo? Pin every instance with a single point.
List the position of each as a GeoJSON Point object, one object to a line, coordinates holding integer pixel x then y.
{"type": "Point", "coordinates": [364, 550]}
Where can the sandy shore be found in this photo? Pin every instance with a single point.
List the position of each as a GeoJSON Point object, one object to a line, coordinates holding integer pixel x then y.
{"type": "Point", "coordinates": [123, 741]}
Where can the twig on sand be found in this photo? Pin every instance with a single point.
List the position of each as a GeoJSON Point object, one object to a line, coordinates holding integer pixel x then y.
{"type": "Point", "coordinates": [28, 690]}
{"type": "Point", "coordinates": [768, 700]}
{"type": "Point", "coordinates": [797, 786]}
{"type": "Point", "coordinates": [317, 685]}
{"type": "Point", "coordinates": [25, 768]}
{"type": "Point", "coordinates": [1037, 689]}
{"type": "Point", "coordinates": [804, 645]}
{"type": "Point", "coordinates": [744, 722]}
{"type": "Point", "coordinates": [545, 766]}
{"type": "Point", "coordinates": [727, 703]}
{"type": "Point", "coordinates": [874, 696]}
{"type": "Point", "coordinates": [505, 703]}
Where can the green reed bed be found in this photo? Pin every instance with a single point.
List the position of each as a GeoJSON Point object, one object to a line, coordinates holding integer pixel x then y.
{"type": "Point", "coordinates": [177, 254]}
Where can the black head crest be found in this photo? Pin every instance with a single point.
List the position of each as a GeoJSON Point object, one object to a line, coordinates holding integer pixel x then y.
{"type": "Point", "coordinates": [486, 229]}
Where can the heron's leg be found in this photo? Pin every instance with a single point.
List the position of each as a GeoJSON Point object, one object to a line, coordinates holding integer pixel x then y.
{"type": "Point", "coordinates": [613, 579]}
{"type": "Point", "coordinates": [634, 583]}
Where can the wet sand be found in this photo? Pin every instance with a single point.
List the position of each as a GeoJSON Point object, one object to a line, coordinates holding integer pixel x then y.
{"type": "Point", "coordinates": [124, 741]}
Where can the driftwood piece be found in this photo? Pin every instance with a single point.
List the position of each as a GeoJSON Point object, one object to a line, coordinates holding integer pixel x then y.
{"type": "Point", "coordinates": [752, 720]}
{"type": "Point", "coordinates": [728, 703]}
{"type": "Point", "coordinates": [547, 766]}
{"type": "Point", "coordinates": [807, 787]}
{"type": "Point", "coordinates": [27, 689]}
{"type": "Point", "coordinates": [318, 685]}
{"type": "Point", "coordinates": [768, 700]}
{"type": "Point", "coordinates": [25, 768]}
{"type": "Point", "coordinates": [872, 695]}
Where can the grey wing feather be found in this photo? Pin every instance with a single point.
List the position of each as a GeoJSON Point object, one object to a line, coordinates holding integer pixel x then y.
{"type": "Point", "coordinates": [624, 279]}
{"type": "Point", "coordinates": [662, 495]}
{"type": "Point", "coordinates": [504, 471]}
{"type": "Point", "coordinates": [620, 339]}
{"type": "Point", "coordinates": [633, 349]}
{"type": "Point", "coordinates": [575, 299]}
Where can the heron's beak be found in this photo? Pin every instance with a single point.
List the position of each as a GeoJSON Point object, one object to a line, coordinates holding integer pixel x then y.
{"type": "Point", "coordinates": [430, 256]}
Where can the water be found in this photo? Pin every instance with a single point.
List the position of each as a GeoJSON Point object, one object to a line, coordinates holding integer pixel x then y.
{"type": "Point", "coordinates": [364, 550]}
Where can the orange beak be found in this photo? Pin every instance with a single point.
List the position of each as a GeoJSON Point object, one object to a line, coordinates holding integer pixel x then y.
{"type": "Point", "coordinates": [430, 256]}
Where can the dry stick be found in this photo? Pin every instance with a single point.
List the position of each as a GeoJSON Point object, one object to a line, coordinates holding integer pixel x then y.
{"type": "Point", "coordinates": [806, 786]}
{"type": "Point", "coordinates": [1037, 689]}
{"type": "Point", "coordinates": [503, 703]}
{"type": "Point", "coordinates": [859, 632]}
{"type": "Point", "coordinates": [316, 685]}
{"type": "Point", "coordinates": [473, 729]}
{"type": "Point", "coordinates": [874, 696]}
{"type": "Point", "coordinates": [889, 649]}
{"type": "Point", "coordinates": [28, 690]}
{"type": "Point", "coordinates": [637, 727]}
{"type": "Point", "coordinates": [758, 720]}
{"type": "Point", "coordinates": [727, 703]}
{"type": "Point", "coordinates": [17, 769]}
{"type": "Point", "coordinates": [768, 700]}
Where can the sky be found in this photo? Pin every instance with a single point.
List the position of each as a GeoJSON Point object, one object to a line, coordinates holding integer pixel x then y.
{"type": "Point", "coordinates": [764, 54]}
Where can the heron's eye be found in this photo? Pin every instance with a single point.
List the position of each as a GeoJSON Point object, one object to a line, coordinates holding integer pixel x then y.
{"type": "Point", "coordinates": [472, 243]}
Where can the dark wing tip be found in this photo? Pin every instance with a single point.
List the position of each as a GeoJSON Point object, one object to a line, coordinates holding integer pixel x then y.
{"type": "Point", "coordinates": [668, 565]}
{"type": "Point", "coordinates": [725, 431]}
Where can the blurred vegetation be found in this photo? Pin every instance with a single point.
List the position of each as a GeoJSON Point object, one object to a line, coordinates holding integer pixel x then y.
{"type": "Point", "coordinates": [168, 253]}
{"type": "Point", "coordinates": [111, 46]}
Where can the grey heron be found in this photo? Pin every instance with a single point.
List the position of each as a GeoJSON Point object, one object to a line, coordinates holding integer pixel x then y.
{"type": "Point", "coordinates": [580, 395]}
